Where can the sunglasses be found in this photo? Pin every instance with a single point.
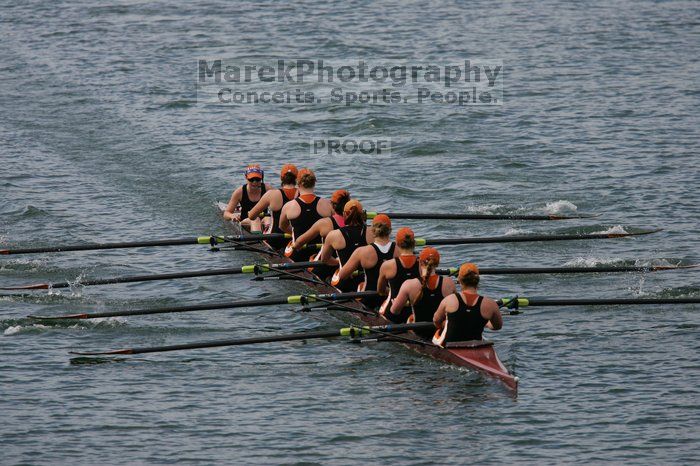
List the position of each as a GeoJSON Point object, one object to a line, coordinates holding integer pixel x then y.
{"type": "Point", "coordinates": [255, 180]}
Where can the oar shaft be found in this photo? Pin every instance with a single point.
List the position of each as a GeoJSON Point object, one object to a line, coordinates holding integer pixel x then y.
{"type": "Point", "coordinates": [599, 301]}
{"type": "Point", "coordinates": [347, 331]}
{"type": "Point", "coordinates": [260, 268]}
{"type": "Point", "coordinates": [143, 244]}
{"type": "Point", "coordinates": [564, 270]}
{"type": "Point", "coordinates": [457, 216]}
{"type": "Point", "coordinates": [524, 238]}
{"type": "Point", "coordinates": [168, 310]}
{"type": "Point", "coordinates": [247, 341]}
{"type": "Point", "coordinates": [295, 299]}
{"type": "Point", "coordinates": [96, 246]}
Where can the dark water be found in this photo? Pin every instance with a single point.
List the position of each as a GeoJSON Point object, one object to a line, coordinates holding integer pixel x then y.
{"type": "Point", "coordinates": [102, 138]}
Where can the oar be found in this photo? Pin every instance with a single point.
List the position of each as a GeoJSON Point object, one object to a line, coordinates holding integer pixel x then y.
{"type": "Point", "coordinates": [516, 302]}
{"type": "Point", "coordinates": [526, 238]}
{"type": "Point", "coordinates": [352, 332]}
{"type": "Point", "coordinates": [147, 243]}
{"type": "Point", "coordinates": [455, 216]}
{"type": "Point", "coordinates": [252, 269]}
{"type": "Point", "coordinates": [567, 270]}
{"type": "Point", "coordinates": [263, 268]}
{"type": "Point", "coordinates": [294, 299]}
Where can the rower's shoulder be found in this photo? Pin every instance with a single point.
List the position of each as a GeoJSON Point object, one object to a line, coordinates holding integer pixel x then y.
{"type": "Point", "coordinates": [450, 302]}
{"type": "Point", "coordinates": [388, 266]}
{"type": "Point", "coordinates": [489, 303]}
{"type": "Point", "coordinates": [448, 286]}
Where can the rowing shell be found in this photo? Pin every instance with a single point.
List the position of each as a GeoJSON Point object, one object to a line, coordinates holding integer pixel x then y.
{"type": "Point", "coordinates": [477, 355]}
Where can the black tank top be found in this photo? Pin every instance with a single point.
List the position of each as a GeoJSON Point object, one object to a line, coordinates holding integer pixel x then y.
{"type": "Point", "coordinates": [276, 213]}
{"type": "Point", "coordinates": [466, 323]}
{"type": "Point", "coordinates": [335, 223]}
{"type": "Point", "coordinates": [306, 219]}
{"type": "Point", "coordinates": [425, 307]}
{"type": "Point", "coordinates": [355, 237]}
{"type": "Point", "coordinates": [246, 204]}
{"type": "Point", "coordinates": [402, 274]}
{"type": "Point", "coordinates": [372, 274]}
{"type": "Point", "coordinates": [275, 228]}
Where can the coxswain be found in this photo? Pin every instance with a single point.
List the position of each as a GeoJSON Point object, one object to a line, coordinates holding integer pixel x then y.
{"type": "Point", "coordinates": [425, 293]}
{"type": "Point", "coordinates": [393, 273]}
{"type": "Point", "coordinates": [321, 228]}
{"type": "Point", "coordinates": [371, 258]}
{"type": "Point", "coordinates": [274, 200]}
{"type": "Point", "coordinates": [299, 215]}
{"type": "Point", "coordinates": [462, 316]}
{"type": "Point", "coordinates": [247, 196]}
{"type": "Point", "coordinates": [345, 240]}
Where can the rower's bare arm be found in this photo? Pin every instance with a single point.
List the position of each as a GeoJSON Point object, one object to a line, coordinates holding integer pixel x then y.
{"type": "Point", "coordinates": [326, 253]}
{"type": "Point", "coordinates": [325, 208]}
{"type": "Point", "coordinates": [440, 313]}
{"type": "Point", "coordinates": [448, 286]}
{"type": "Point", "coordinates": [262, 204]}
{"type": "Point", "coordinates": [306, 237]}
{"type": "Point", "coordinates": [400, 301]}
{"type": "Point", "coordinates": [351, 265]}
{"type": "Point", "coordinates": [495, 320]}
{"type": "Point", "coordinates": [383, 282]}
{"type": "Point", "coordinates": [284, 221]}
{"type": "Point", "coordinates": [233, 204]}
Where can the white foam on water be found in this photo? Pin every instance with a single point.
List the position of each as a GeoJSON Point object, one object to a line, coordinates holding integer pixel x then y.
{"type": "Point", "coordinates": [15, 329]}
{"type": "Point", "coordinates": [108, 321]}
{"type": "Point", "coordinates": [517, 231]}
{"type": "Point", "coordinates": [484, 209]}
{"type": "Point", "coordinates": [594, 261]}
{"type": "Point", "coordinates": [560, 207]}
{"type": "Point", "coordinates": [616, 229]}
{"type": "Point", "coordinates": [12, 330]}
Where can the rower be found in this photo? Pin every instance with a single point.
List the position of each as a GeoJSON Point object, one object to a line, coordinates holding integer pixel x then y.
{"type": "Point", "coordinates": [462, 316]}
{"type": "Point", "coordinates": [394, 273]}
{"type": "Point", "coordinates": [345, 240]}
{"type": "Point", "coordinates": [299, 215]}
{"type": "Point", "coordinates": [424, 294]}
{"type": "Point", "coordinates": [247, 196]}
{"type": "Point", "coordinates": [327, 224]}
{"type": "Point", "coordinates": [371, 258]}
{"type": "Point", "coordinates": [275, 199]}
{"type": "Point", "coordinates": [321, 228]}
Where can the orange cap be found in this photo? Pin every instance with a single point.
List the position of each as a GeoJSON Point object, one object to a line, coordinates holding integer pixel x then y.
{"type": "Point", "coordinates": [352, 203]}
{"type": "Point", "coordinates": [429, 254]}
{"type": "Point", "coordinates": [304, 171]}
{"type": "Point", "coordinates": [339, 195]}
{"type": "Point", "coordinates": [466, 268]}
{"type": "Point", "coordinates": [382, 218]}
{"type": "Point", "coordinates": [403, 234]}
{"type": "Point", "coordinates": [289, 168]}
{"type": "Point", "coordinates": [254, 171]}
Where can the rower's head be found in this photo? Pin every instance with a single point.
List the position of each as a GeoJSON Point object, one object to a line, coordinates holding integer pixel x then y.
{"type": "Point", "coordinates": [339, 199]}
{"type": "Point", "coordinates": [428, 260]}
{"type": "Point", "coordinates": [353, 213]}
{"type": "Point", "coordinates": [405, 239]}
{"type": "Point", "coordinates": [288, 175]}
{"type": "Point", "coordinates": [306, 179]}
{"type": "Point", "coordinates": [468, 275]}
{"type": "Point", "coordinates": [254, 174]}
{"type": "Point", "coordinates": [381, 226]}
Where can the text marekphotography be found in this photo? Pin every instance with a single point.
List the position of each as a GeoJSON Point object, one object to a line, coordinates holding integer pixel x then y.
{"type": "Point", "coordinates": [358, 82]}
